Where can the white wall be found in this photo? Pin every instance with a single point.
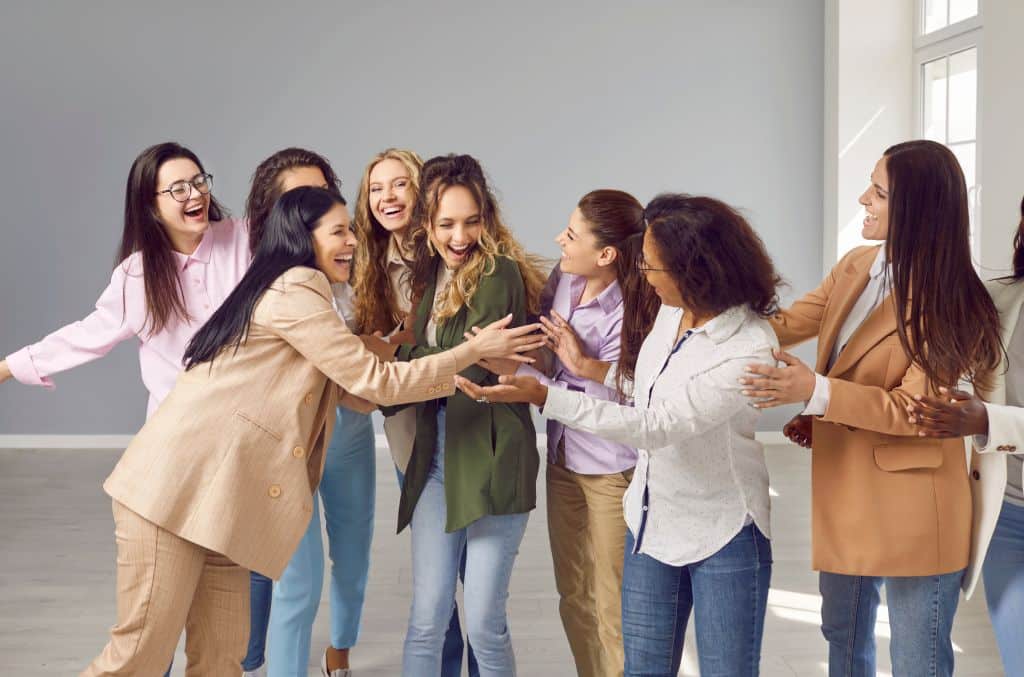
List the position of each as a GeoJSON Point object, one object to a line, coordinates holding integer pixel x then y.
{"type": "Point", "coordinates": [1001, 156]}
{"type": "Point", "coordinates": [872, 106]}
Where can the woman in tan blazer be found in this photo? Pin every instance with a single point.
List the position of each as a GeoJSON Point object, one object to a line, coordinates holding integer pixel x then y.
{"type": "Point", "coordinates": [220, 479]}
{"type": "Point", "coordinates": [889, 507]}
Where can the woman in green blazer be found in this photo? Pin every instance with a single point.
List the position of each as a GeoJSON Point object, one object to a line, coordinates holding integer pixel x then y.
{"type": "Point", "coordinates": [471, 480]}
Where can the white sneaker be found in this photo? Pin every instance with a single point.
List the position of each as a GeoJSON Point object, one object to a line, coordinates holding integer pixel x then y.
{"type": "Point", "coordinates": [261, 671]}
{"type": "Point", "coordinates": [341, 672]}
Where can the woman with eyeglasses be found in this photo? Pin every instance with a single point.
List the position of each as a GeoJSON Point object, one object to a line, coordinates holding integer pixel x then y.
{"type": "Point", "coordinates": [697, 507]}
{"type": "Point", "coordinates": [180, 256]}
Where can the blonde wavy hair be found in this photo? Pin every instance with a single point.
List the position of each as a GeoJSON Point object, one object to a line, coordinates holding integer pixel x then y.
{"type": "Point", "coordinates": [376, 307]}
{"type": "Point", "coordinates": [439, 174]}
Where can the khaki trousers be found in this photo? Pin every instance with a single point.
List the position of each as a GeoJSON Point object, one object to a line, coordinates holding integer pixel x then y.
{"type": "Point", "coordinates": [588, 533]}
{"type": "Point", "coordinates": [166, 584]}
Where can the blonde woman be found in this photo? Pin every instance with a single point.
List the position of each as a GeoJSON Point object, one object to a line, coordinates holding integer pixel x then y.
{"type": "Point", "coordinates": [471, 480]}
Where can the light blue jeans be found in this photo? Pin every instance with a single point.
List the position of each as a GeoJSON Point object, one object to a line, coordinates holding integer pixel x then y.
{"type": "Point", "coordinates": [491, 544]}
{"type": "Point", "coordinates": [1004, 586]}
{"type": "Point", "coordinates": [348, 492]}
{"type": "Point", "coordinates": [921, 610]}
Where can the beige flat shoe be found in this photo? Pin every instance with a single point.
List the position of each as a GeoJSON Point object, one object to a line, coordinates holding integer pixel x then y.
{"type": "Point", "coordinates": [341, 672]}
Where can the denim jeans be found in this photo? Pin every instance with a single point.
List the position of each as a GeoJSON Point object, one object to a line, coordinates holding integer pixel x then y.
{"type": "Point", "coordinates": [451, 652]}
{"type": "Point", "coordinates": [490, 544]}
{"type": "Point", "coordinates": [921, 610]}
{"type": "Point", "coordinates": [728, 593]}
{"type": "Point", "coordinates": [1003, 573]}
{"type": "Point", "coordinates": [347, 490]}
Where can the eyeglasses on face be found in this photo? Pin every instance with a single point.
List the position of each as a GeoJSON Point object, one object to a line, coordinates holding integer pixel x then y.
{"type": "Point", "coordinates": [181, 191]}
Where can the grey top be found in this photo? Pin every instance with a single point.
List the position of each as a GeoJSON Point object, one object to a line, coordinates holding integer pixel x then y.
{"type": "Point", "coordinates": [1015, 397]}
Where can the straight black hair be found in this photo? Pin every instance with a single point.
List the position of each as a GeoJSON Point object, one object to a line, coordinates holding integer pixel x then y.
{"type": "Point", "coordinates": [286, 242]}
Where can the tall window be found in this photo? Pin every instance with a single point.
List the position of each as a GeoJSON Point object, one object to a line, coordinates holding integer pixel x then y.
{"type": "Point", "coordinates": [946, 58]}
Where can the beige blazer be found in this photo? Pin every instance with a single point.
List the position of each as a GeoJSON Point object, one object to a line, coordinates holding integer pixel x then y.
{"type": "Point", "coordinates": [1005, 436]}
{"type": "Point", "coordinates": [883, 501]}
{"type": "Point", "coordinates": [231, 458]}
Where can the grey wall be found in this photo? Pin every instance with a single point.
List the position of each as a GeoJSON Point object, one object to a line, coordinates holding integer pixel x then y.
{"type": "Point", "coordinates": [555, 99]}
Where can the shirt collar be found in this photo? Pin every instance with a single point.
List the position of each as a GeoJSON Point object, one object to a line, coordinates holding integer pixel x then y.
{"type": "Point", "coordinates": [880, 265]}
{"type": "Point", "coordinates": [201, 254]}
{"type": "Point", "coordinates": [609, 299]}
{"type": "Point", "coordinates": [394, 254]}
{"type": "Point", "coordinates": [722, 326]}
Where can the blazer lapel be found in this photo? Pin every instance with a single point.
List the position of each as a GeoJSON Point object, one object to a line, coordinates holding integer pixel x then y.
{"type": "Point", "coordinates": [844, 295]}
{"type": "Point", "coordinates": [1009, 299]}
{"type": "Point", "coordinates": [879, 324]}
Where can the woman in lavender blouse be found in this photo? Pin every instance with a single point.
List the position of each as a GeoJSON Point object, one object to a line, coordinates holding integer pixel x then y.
{"type": "Point", "coordinates": [600, 309]}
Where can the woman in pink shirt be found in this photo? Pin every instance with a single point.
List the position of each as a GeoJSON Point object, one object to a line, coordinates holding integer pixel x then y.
{"type": "Point", "coordinates": [600, 310]}
{"type": "Point", "coordinates": [193, 256]}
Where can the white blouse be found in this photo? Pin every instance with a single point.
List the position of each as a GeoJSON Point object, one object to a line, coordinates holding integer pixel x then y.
{"type": "Point", "coordinates": [700, 474]}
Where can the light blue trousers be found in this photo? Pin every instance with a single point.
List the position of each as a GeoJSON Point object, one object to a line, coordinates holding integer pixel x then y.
{"type": "Point", "coordinates": [348, 492]}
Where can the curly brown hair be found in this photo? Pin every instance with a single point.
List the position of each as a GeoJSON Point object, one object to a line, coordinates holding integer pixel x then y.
{"type": "Point", "coordinates": [712, 253]}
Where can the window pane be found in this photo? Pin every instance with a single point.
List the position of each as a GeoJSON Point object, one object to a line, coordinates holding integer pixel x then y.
{"type": "Point", "coordinates": [962, 9]}
{"type": "Point", "coordinates": [935, 16]}
{"type": "Point", "coordinates": [934, 94]}
{"type": "Point", "coordinates": [963, 95]}
{"type": "Point", "coordinates": [965, 154]}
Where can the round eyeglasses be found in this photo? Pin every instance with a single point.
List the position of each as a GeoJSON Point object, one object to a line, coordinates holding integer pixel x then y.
{"type": "Point", "coordinates": [181, 191]}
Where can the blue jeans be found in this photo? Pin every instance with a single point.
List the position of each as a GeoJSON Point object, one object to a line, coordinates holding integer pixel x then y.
{"type": "Point", "coordinates": [490, 545]}
{"type": "Point", "coordinates": [728, 593]}
{"type": "Point", "coordinates": [451, 652]}
{"type": "Point", "coordinates": [1004, 586]}
{"type": "Point", "coordinates": [348, 493]}
{"type": "Point", "coordinates": [921, 610]}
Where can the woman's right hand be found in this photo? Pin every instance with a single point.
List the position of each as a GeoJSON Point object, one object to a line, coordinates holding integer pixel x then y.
{"type": "Point", "coordinates": [495, 340]}
{"type": "Point", "coordinates": [5, 371]}
{"type": "Point", "coordinates": [798, 430]}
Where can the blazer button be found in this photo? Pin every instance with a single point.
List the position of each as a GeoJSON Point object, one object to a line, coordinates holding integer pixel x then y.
{"type": "Point", "coordinates": [309, 398]}
{"type": "Point", "coordinates": [298, 452]}
{"type": "Point", "coordinates": [975, 474]}
{"type": "Point", "coordinates": [1012, 447]}
{"type": "Point", "coordinates": [274, 491]}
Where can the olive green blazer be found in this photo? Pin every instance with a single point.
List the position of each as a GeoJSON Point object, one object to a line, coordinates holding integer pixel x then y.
{"type": "Point", "coordinates": [490, 454]}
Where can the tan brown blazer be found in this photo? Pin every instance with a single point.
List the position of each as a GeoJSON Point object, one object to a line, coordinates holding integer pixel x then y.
{"type": "Point", "coordinates": [883, 501]}
{"type": "Point", "coordinates": [231, 458]}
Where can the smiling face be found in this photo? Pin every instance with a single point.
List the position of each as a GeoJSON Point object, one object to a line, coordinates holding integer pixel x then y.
{"type": "Point", "coordinates": [581, 253]}
{"type": "Point", "coordinates": [185, 222]}
{"type": "Point", "coordinates": [875, 201]}
{"type": "Point", "coordinates": [661, 280]}
{"type": "Point", "coordinates": [391, 195]}
{"type": "Point", "coordinates": [335, 242]}
{"type": "Point", "coordinates": [457, 225]}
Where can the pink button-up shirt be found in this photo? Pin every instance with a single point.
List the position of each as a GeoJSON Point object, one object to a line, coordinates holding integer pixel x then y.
{"type": "Point", "coordinates": [599, 326]}
{"type": "Point", "coordinates": [207, 277]}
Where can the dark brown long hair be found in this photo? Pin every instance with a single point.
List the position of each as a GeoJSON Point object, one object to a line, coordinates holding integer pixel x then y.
{"type": "Point", "coordinates": [375, 302]}
{"type": "Point", "coordinates": [952, 326]}
{"type": "Point", "coordinates": [144, 233]}
{"type": "Point", "coordinates": [714, 256]}
{"type": "Point", "coordinates": [616, 219]}
{"type": "Point", "coordinates": [1018, 246]}
{"type": "Point", "coordinates": [496, 239]}
{"type": "Point", "coordinates": [266, 185]}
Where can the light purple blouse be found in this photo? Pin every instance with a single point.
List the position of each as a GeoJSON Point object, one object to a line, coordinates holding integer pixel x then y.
{"type": "Point", "coordinates": [599, 326]}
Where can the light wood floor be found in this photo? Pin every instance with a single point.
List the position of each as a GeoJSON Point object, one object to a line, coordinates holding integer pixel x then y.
{"type": "Point", "coordinates": [57, 579]}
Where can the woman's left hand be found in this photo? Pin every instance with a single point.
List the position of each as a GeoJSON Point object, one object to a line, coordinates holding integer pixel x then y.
{"type": "Point", "coordinates": [510, 389]}
{"type": "Point", "coordinates": [774, 386]}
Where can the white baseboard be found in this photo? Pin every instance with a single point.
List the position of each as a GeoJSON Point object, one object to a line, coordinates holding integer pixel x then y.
{"type": "Point", "coordinates": [121, 441]}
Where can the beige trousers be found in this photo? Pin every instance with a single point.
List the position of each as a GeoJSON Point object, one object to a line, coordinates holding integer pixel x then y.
{"type": "Point", "coordinates": [166, 584]}
{"type": "Point", "coordinates": [588, 535]}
